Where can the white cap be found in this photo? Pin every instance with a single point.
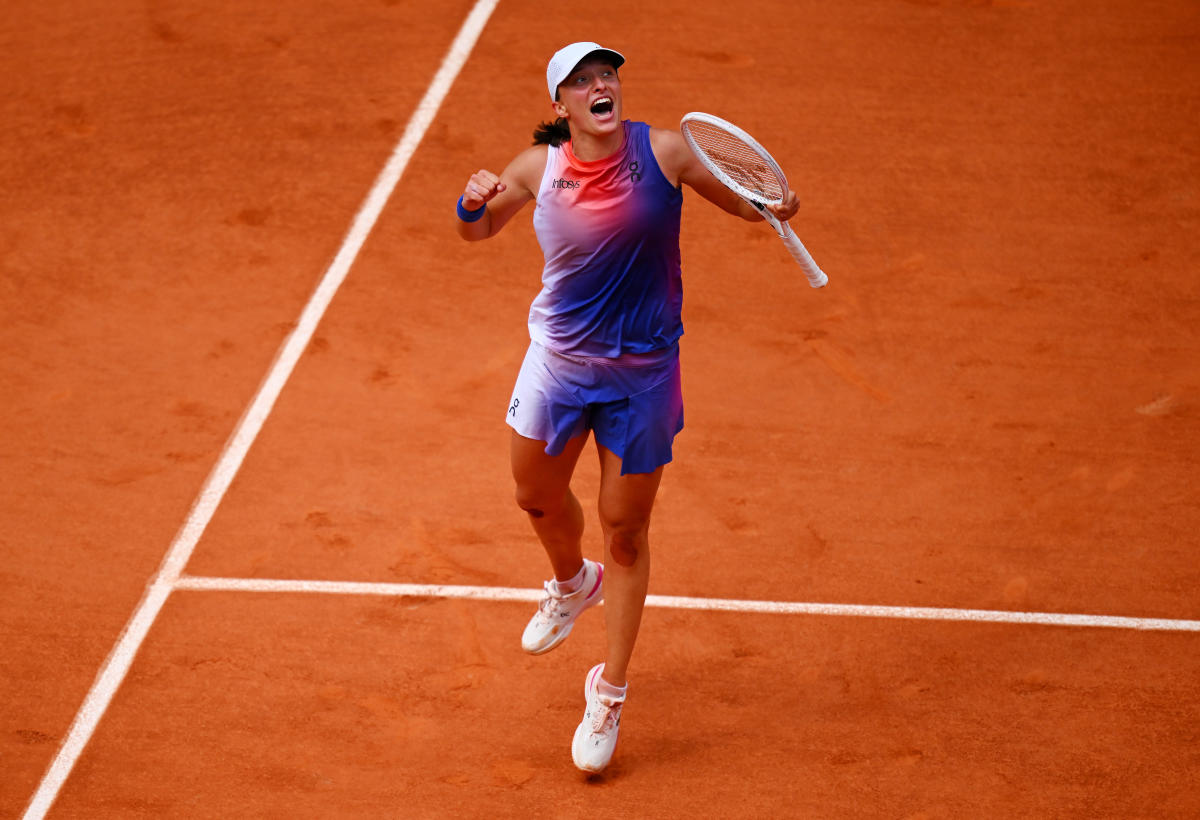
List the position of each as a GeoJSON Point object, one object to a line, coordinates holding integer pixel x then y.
{"type": "Point", "coordinates": [566, 58]}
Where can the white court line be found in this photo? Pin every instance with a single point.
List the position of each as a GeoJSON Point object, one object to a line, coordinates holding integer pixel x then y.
{"type": "Point", "coordinates": [115, 667]}
{"type": "Point", "coordinates": [712, 604]}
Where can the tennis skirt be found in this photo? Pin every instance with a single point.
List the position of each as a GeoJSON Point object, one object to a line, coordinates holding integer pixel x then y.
{"type": "Point", "coordinates": [633, 404]}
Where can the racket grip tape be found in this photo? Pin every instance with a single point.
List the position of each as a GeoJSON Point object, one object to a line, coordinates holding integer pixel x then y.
{"type": "Point", "coordinates": [816, 277]}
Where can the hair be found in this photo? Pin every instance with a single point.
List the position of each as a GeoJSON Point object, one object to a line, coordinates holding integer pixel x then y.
{"type": "Point", "coordinates": [552, 133]}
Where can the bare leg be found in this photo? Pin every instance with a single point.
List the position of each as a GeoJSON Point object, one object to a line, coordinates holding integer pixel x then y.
{"type": "Point", "coordinates": [544, 493]}
{"type": "Point", "coordinates": [625, 505]}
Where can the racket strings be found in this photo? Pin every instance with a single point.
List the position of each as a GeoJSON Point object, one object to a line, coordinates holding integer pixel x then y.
{"type": "Point", "coordinates": [737, 159]}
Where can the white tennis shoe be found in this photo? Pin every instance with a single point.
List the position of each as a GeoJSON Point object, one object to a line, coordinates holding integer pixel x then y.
{"type": "Point", "coordinates": [556, 613]}
{"type": "Point", "coordinates": [596, 736]}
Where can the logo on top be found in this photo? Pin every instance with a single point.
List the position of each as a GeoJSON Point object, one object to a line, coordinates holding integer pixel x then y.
{"type": "Point", "coordinates": [565, 183]}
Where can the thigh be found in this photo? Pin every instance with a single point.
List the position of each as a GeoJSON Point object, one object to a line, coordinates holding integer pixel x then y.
{"type": "Point", "coordinates": [542, 476]}
{"type": "Point", "coordinates": [625, 500]}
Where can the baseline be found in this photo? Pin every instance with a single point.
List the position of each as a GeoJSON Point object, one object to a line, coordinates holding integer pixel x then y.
{"type": "Point", "coordinates": [192, 582]}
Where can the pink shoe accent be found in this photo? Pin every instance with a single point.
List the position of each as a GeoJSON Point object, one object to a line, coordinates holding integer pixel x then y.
{"type": "Point", "coordinates": [599, 579]}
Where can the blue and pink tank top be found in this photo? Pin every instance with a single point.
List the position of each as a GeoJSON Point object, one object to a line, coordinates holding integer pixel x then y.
{"type": "Point", "coordinates": [609, 230]}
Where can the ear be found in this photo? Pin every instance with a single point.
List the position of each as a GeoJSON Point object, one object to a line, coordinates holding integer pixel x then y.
{"type": "Point", "coordinates": [560, 110]}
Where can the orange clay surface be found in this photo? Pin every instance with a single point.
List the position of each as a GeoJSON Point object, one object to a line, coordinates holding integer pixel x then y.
{"type": "Point", "coordinates": [994, 405]}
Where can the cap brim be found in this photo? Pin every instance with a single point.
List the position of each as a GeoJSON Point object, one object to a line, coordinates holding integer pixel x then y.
{"type": "Point", "coordinates": [613, 57]}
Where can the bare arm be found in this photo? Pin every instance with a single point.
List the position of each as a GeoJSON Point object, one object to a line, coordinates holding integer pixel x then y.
{"type": "Point", "coordinates": [501, 196]}
{"type": "Point", "coordinates": [680, 165]}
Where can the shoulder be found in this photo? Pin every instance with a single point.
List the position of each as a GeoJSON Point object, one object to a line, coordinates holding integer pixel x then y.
{"type": "Point", "coordinates": [527, 167]}
{"type": "Point", "coordinates": [532, 157]}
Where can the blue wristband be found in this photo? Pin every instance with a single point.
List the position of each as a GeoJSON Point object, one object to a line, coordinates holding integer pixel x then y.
{"type": "Point", "coordinates": [470, 216]}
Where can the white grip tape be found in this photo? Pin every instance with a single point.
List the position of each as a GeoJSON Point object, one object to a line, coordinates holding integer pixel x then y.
{"type": "Point", "coordinates": [816, 277]}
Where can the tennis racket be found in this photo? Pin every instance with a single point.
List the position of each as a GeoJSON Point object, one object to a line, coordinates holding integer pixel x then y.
{"type": "Point", "coordinates": [744, 167]}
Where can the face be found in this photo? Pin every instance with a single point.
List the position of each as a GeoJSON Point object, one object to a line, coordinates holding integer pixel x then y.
{"type": "Point", "coordinates": [590, 98]}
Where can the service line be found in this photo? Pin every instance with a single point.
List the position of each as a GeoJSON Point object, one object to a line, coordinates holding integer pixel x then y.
{"type": "Point", "coordinates": [711, 604]}
{"type": "Point", "coordinates": [115, 667]}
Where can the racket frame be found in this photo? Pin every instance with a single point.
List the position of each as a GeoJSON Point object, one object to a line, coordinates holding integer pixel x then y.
{"type": "Point", "coordinates": [816, 277]}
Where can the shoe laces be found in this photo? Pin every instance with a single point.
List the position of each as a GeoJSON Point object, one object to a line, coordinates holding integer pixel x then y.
{"type": "Point", "coordinates": [605, 715]}
{"type": "Point", "coordinates": [550, 603]}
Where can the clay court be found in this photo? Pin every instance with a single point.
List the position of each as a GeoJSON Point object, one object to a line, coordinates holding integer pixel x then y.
{"type": "Point", "coordinates": [928, 548]}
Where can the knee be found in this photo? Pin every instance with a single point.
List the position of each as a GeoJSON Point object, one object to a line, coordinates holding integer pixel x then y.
{"type": "Point", "coordinates": [529, 502]}
{"type": "Point", "coordinates": [626, 529]}
{"type": "Point", "coordinates": [626, 548]}
{"type": "Point", "coordinates": [626, 535]}
{"type": "Point", "coordinates": [536, 503]}
{"type": "Point", "coordinates": [623, 521]}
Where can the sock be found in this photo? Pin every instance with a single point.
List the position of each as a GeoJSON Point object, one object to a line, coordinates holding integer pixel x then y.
{"type": "Point", "coordinates": [606, 689]}
{"type": "Point", "coordinates": [567, 587]}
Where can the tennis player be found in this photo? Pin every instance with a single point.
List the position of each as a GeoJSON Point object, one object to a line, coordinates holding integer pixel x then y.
{"type": "Point", "coordinates": [604, 351]}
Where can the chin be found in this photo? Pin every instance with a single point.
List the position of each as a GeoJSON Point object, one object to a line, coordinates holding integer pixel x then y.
{"type": "Point", "coordinates": [609, 125]}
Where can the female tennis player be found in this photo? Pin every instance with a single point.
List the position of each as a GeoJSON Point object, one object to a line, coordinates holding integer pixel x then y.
{"type": "Point", "coordinates": [604, 351]}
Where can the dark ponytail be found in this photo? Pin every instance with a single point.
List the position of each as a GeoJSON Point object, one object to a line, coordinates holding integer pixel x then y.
{"type": "Point", "coordinates": [552, 133]}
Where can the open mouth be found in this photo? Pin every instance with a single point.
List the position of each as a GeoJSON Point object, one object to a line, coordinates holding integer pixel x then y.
{"type": "Point", "coordinates": [602, 107]}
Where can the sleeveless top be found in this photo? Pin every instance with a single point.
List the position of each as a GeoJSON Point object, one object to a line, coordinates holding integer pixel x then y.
{"type": "Point", "coordinates": [609, 231]}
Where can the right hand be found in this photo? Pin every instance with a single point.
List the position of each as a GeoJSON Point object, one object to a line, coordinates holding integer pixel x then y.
{"type": "Point", "coordinates": [786, 209]}
{"type": "Point", "coordinates": [481, 187]}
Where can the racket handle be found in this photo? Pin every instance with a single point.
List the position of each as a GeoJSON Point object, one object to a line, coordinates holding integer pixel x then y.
{"type": "Point", "coordinates": [816, 277]}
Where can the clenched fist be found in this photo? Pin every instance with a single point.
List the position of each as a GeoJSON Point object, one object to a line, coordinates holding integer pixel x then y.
{"type": "Point", "coordinates": [481, 187]}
